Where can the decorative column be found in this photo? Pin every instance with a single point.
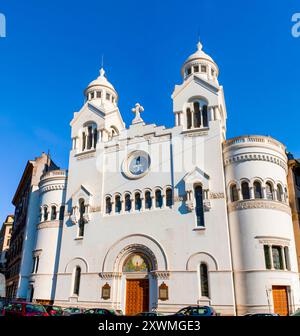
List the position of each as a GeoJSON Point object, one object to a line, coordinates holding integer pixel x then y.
{"type": "Point", "coordinates": [282, 257]}
{"type": "Point", "coordinates": [240, 194]}
{"type": "Point", "coordinates": [271, 256]}
{"type": "Point", "coordinates": [176, 119]}
{"type": "Point", "coordinates": [251, 192]}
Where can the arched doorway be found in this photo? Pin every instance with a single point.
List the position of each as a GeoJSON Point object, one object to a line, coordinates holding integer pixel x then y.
{"type": "Point", "coordinates": [136, 269]}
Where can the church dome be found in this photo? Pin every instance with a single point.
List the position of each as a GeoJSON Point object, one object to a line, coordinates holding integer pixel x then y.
{"type": "Point", "coordinates": [102, 90]}
{"type": "Point", "coordinates": [201, 64]}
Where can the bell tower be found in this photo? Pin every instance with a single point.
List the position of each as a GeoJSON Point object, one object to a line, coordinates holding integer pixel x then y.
{"type": "Point", "coordinates": [199, 100]}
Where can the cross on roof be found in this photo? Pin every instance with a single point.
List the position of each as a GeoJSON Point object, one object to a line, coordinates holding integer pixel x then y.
{"type": "Point", "coordinates": [137, 110]}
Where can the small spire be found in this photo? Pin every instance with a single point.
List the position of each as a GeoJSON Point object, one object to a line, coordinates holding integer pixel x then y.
{"type": "Point", "coordinates": [102, 72]}
{"type": "Point", "coordinates": [199, 45]}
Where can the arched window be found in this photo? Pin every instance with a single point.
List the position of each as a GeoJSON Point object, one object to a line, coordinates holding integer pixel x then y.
{"type": "Point", "coordinates": [188, 118]}
{"type": "Point", "coordinates": [83, 141]}
{"type": "Point", "coordinates": [257, 189]}
{"type": "Point", "coordinates": [53, 212]}
{"type": "Point", "coordinates": [204, 116]}
{"type": "Point", "coordinates": [62, 212]}
{"type": "Point", "coordinates": [158, 199]}
{"type": "Point", "coordinates": [118, 204]}
{"type": "Point", "coordinates": [114, 131]}
{"type": "Point", "coordinates": [197, 115]}
{"type": "Point", "coordinates": [285, 195]}
{"type": "Point", "coordinates": [77, 280]}
{"type": "Point", "coordinates": [245, 190]}
{"type": "Point", "coordinates": [41, 214]}
{"type": "Point", "coordinates": [287, 258]}
{"type": "Point", "coordinates": [169, 197]}
{"type": "Point", "coordinates": [46, 214]}
{"type": "Point", "coordinates": [81, 219]}
{"type": "Point", "coordinates": [127, 203]}
{"type": "Point", "coordinates": [199, 205]}
{"type": "Point", "coordinates": [95, 137]}
{"type": "Point", "coordinates": [234, 195]}
{"type": "Point", "coordinates": [269, 191]}
{"type": "Point", "coordinates": [279, 193]}
{"type": "Point", "coordinates": [108, 205]}
{"type": "Point", "coordinates": [137, 201]}
{"type": "Point", "coordinates": [204, 280]}
{"type": "Point", "coordinates": [148, 200]}
{"type": "Point", "coordinates": [90, 137]}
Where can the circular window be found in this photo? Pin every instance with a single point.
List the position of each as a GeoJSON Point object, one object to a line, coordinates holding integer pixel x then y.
{"type": "Point", "coordinates": [137, 164]}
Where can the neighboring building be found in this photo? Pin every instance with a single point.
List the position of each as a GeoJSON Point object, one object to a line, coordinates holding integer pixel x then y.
{"type": "Point", "coordinates": [5, 236]}
{"type": "Point", "coordinates": [294, 197]}
{"type": "Point", "coordinates": [26, 199]}
{"type": "Point", "coordinates": [159, 218]}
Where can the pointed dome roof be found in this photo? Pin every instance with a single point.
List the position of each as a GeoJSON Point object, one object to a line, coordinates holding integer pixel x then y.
{"type": "Point", "coordinates": [199, 54]}
{"type": "Point", "coordinates": [201, 64]}
{"type": "Point", "coordinates": [101, 81]}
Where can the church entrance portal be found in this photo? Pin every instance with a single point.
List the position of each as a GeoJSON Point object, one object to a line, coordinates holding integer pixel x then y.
{"type": "Point", "coordinates": [136, 269]}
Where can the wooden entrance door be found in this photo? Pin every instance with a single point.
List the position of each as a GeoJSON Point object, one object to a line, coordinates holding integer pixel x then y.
{"type": "Point", "coordinates": [280, 300]}
{"type": "Point", "coordinates": [137, 296]}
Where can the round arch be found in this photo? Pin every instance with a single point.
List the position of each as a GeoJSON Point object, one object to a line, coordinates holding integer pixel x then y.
{"type": "Point", "coordinates": [201, 257]}
{"type": "Point", "coordinates": [136, 243]}
{"type": "Point", "coordinates": [77, 262]}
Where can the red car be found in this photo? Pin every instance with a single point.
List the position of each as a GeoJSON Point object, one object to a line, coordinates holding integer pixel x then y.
{"type": "Point", "coordinates": [24, 309]}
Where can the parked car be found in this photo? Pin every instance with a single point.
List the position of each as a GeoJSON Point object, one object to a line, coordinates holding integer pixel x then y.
{"type": "Point", "coordinates": [152, 313]}
{"type": "Point", "coordinates": [296, 313]}
{"type": "Point", "coordinates": [196, 311]}
{"type": "Point", "coordinates": [101, 311]}
{"type": "Point", "coordinates": [261, 314]}
{"type": "Point", "coordinates": [3, 303]}
{"type": "Point", "coordinates": [54, 310]}
{"type": "Point", "coordinates": [21, 308]}
{"type": "Point", "coordinates": [72, 310]}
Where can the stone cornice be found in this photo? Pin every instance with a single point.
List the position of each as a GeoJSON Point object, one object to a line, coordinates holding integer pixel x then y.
{"type": "Point", "coordinates": [256, 157]}
{"type": "Point", "coordinates": [50, 224]}
{"type": "Point", "coordinates": [259, 204]}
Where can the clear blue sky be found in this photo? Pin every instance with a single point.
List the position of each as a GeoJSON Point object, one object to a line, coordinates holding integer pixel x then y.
{"type": "Point", "coordinates": [53, 50]}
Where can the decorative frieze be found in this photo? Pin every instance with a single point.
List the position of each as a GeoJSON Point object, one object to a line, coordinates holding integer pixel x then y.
{"type": "Point", "coordinates": [110, 275]}
{"type": "Point", "coordinates": [256, 157]}
{"type": "Point", "coordinates": [216, 195]}
{"type": "Point", "coordinates": [52, 187]}
{"type": "Point", "coordinates": [161, 275]}
{"type": "Point", "coordinates": [87, 155]}
{"type": "Point", "coordinates": [259, 204]}
{"type": "Point", "coordinates": [49, 224]}
{"type": "Point", "coordinates": [196, 134]}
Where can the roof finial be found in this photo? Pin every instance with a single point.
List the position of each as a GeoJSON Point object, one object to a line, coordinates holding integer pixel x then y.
{"type": "Point", "coordinates": [102, 72]}
{"type": "Point", "coordinates": [199, 45]}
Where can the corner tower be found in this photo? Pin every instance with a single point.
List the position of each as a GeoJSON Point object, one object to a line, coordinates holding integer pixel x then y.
{"type": "Point", "coordinates": [199, 99]}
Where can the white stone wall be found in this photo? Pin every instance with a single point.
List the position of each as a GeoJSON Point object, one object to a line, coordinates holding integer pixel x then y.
{"type": "Point", "coordinates": [256, 222]}
{"type": "Point", "coordinates": [48, 233]}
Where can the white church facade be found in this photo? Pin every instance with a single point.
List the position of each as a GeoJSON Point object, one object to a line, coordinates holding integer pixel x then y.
{"type": "Point", "coordinates": [154, 218]}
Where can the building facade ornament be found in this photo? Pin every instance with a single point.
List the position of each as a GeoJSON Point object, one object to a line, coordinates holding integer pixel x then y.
{"type": "Point", "coordinates": [259, 204]}
{"type": "Point", "coordinates": [161, 275]}
{"type": "Point", "coordinates": [50, 224]}
{"type": "Point", "coordinates": [256, 157]}
{"type": "Point", "coordinates": [110, 275]}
